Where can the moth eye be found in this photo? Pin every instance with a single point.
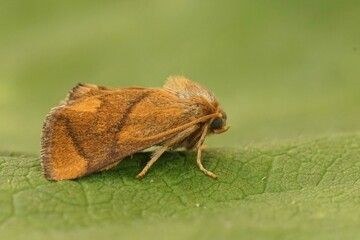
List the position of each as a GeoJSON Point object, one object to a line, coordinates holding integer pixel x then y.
{"type": "Point", "coordinates": [216, 123]}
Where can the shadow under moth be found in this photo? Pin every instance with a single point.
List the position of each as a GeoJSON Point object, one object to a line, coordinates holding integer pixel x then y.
{"type": "Point", "coordinates": [96, 127]}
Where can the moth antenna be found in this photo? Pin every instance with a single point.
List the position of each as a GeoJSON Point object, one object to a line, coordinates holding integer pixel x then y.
{"type": "Point", "coordinates": [182, 127]}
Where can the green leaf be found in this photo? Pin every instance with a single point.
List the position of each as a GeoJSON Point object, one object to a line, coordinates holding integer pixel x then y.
{"type": "Point", "coordinates": [304, 190]}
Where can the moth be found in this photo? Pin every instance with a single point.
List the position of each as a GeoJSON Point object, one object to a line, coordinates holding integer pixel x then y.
{"type": "Point", "coordinates": [96, 127]}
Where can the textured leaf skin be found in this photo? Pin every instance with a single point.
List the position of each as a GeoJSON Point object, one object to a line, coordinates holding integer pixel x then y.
{"type": "Point", "coordinates": [304, 190]}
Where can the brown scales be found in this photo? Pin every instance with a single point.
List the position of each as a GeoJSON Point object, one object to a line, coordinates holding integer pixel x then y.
{"type": "Point", "coordinates": [96, 127]}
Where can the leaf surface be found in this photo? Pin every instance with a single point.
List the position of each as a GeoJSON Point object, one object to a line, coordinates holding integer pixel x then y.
{"type": "Point", "coordinates": [303, 190]}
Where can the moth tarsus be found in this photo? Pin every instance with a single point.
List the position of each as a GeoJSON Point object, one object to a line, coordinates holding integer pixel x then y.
{"type": "Point", "coordinates": [96, 127]}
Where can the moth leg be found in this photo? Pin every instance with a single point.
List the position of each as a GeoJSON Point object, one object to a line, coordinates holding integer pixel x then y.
{"type": "Point", "coordinates": [155, 157]}
{"type": "Point", "coordinates": [177, 138]}
{"type": "Point", "coordinates": [199, 148]}
{"type": "Point", "coordinates": [204, 170]}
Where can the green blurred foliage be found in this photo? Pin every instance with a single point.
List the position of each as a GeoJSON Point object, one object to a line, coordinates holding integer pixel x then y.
{"type": "Point", "coordinates": [282, 69]}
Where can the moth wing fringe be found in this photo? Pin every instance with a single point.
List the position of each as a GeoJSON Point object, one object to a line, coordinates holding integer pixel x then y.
{"type": "Point", "coordinates": [47, 132]}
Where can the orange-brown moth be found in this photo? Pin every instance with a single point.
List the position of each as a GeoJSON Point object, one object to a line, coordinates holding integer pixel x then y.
{"type": "Point", "coordinates": [96, 127]}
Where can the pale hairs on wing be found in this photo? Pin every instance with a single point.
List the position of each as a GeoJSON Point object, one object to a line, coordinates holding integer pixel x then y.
{"type": "Point", "coordinates": [185, 88]}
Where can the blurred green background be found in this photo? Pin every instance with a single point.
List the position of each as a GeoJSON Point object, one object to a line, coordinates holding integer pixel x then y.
{"type": "Point", "coordinates": [281, 69]}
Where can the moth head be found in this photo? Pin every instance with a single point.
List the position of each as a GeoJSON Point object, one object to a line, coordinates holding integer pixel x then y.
{"type": "Point", "coordinates": [218, 124]}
